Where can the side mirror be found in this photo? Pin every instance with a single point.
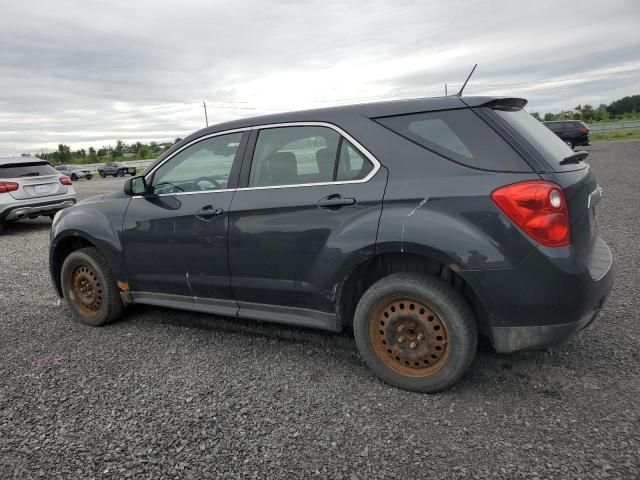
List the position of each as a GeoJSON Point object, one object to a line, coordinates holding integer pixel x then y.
{"type": "Point", "coordinates": [135, 186]}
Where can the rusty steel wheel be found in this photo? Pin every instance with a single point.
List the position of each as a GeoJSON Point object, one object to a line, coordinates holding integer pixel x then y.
{"type": "Point", "coordinates": [89, 287]}
{"type": "Point", "coordinates": [409, 337]}
{"type": "Point", "coordinates": [86, 291]}
{"type": "Point", "coordinates": [415, 331]}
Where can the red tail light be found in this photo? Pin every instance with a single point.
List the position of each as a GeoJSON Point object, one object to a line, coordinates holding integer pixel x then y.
{"type": "Point", "coordinates": [64, 180]}
{"type": "Point", "coordinates": [8, 187]}
{"type": "Point", "coordinates": [537, 207]}
{"type": "Point", "coordinates": [584, 130]}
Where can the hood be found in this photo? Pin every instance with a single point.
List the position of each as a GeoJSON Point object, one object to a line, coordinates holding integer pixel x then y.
{"type": "Point", "coordinates": [96, 199]}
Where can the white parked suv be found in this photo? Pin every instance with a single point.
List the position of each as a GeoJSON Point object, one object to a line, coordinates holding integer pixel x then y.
{"type": "Point", "coordinates": [31, 187]}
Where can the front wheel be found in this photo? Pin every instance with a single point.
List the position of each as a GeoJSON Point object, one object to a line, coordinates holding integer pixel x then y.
{"type": "Point", "coordinates": [89, 177]}
{"type": "Point", "coordinates": [102, 174]}
{"type": "Point", "coordinates": [415, 332]}
{"type": "Point", "coordinates": [569, 143]}
{"type": "Point", "coordinates": [89, 288]}
{"type": "Point", "coordinates": [74, 177]}
{"type": "Point", "coordinates": [120, 173]}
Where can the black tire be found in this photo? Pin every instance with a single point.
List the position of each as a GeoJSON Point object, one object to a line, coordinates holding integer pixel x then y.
{"type": "Point", "coordinates": [102, 174]}
{"type": "Point", "coordinates": [120, 173]}
{"type": "Point", "coordinates": [74, 177]}
{"type": "Point", "coordinates": [89, 177]}
{"type": "Point", "coordinates": [570, 143]}
{"type": "Point", "coordinates": [445, 302]}
{"type": "Point", "coordinates": [111, 306]}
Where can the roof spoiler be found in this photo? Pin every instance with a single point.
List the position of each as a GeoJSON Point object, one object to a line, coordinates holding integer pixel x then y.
{"type": "Point", "coordinates": [506, 103]}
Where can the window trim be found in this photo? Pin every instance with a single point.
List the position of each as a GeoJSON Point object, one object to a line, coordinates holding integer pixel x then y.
{"type": "Point", "coordinates": [247, 156]}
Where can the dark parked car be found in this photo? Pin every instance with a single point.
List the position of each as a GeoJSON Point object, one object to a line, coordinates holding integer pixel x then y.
{"type": "Point", "coordinates": [117, 169]}
{"type": "Point", "coordinates": [572, 132]}
{"type": "Point", "coordinates": [75, 172]}
{"type": "Point", "coordinates": [419, 224]}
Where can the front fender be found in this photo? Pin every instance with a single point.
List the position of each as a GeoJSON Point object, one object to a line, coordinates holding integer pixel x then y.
{"type": "Point", "coordinates": [95, 223]}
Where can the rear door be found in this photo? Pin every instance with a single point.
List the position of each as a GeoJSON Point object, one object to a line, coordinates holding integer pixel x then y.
{"type": "Point", "coordinates": [36, 180]}
{"type": "Point", "coordinates": [175, 238]}
{"type": "Point", "coordinates": [310, 202]}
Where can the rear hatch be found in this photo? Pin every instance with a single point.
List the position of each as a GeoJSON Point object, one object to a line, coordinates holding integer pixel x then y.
{"type": "Point", "coordinates": [35, 179]}
{"type": "Point", "coordinates": [566, 168]}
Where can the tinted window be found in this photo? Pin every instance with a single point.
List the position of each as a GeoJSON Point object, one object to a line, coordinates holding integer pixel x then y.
{"type": "Point", "coordinates": [459, 135]}
{"type": "Point", "coordinates": [549, 145]}
{"type": "Point", "coordinates": [351, 164]}
{"type": "Point", "coordinates": [293, 156]}
{"type": "Point", "coordinates": [204, 166]}
{"type": "Point", "coordinates": [26, 169]}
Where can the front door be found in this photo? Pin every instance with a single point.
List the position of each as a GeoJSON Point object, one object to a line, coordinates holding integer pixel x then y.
{"type": "Point", "coordinates": [310, 204]}
{"type": "Point", "coordinates": [175, 237]}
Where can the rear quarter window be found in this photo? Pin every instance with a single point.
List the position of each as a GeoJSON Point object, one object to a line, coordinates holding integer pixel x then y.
{"type": "Point", "coordinates": [459, 135]}
{"type": "Point", "coordinates": [26, 169]}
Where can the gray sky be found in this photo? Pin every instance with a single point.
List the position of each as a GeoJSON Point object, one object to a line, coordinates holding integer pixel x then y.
{"type": "Point", "coordinates": [86, 73]}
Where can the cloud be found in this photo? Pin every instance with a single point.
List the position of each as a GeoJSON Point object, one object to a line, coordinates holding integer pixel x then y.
{"type": "Point", "coordinates": [87, 73]}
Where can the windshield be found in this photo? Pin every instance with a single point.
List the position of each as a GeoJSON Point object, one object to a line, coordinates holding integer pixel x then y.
{"type": "Point", "coordinates": [547, 143]}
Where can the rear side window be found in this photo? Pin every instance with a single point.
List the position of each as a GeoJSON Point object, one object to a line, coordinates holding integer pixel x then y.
{"type": "Point", "coordinates": [351, 164]}
{"type": "Point", "coordinates": [549, 145]}
{"type": "Point", "coordinates": [304, 155]}
{"type": "Point", "coordinates": [459, 135]}
{"type": "Point", "coordinates": [26, 169]}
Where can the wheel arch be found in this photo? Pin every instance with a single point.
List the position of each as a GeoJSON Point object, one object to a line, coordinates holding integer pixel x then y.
{"type": "Point", "coordinates": [63, 248]}
{"type": "Point", "coordinates": [432, 263]}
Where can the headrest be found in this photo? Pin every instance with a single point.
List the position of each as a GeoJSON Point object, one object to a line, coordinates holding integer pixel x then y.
{"type": "Point", "coordinates": [325, 163]}
{"type": "Point", "coordinates": [283, 168]}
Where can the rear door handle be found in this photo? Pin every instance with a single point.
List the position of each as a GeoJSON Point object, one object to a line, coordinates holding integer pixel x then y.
{"type": "Point", "coordinates": [207, 213]}
{"type": "Point", "coordinates": [333, 202]}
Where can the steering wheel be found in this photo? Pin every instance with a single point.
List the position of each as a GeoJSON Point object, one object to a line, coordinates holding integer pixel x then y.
{"type": "Point", "coordinates": [207, 179]}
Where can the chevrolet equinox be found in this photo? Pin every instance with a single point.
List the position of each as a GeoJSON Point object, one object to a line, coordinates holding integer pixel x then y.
{"type": "Point", "coordinates": [420, 224]}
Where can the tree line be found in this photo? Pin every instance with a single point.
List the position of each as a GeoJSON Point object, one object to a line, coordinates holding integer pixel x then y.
{"type": "Point", "coordinates": [626, 108]}
{"type": "Point", "coordinates": [121, 151]}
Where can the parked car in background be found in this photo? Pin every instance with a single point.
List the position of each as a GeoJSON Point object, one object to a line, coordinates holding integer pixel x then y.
{"type": "Point", "coordinates": [74, 172]}
{"type": "Point", "coordinates": [418, 223]}
{"type": "Point", "coordinates": [117, 169]}
{"type": "Point", "coordinates": [572, 132]}
{"type": "Point", "coordinates": [30, 187]}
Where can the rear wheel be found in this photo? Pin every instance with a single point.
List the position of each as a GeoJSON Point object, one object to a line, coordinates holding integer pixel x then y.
{"type": "Point", "coordinates": [89, 288]}
{"type": "Point", "coordinates": [102, 174]}
{"type": "Point", "coordinates": [89, 177]}
{"type": "Point", "coordinates": [415, 332]}
{"type": "Point", "coordinates": [74, 177]}
{"type": "Point", "coordinates": [120, 173]}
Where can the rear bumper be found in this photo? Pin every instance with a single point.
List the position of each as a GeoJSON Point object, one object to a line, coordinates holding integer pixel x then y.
{"type": "Point", "coordinates": [30, 210]}
{"type": "Point", "coordinates": [550, 296]}
{"type": "Point", "coordinates": [513, 339]}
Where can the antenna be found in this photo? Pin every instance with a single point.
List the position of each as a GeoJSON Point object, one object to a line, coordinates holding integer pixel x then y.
{"type": "Point", "coordinates": [459, 94]}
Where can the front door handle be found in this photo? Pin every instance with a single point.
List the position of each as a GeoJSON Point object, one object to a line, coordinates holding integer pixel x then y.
{"type": "Point", "coordinates": [334, 202]}
{"type": "Point", "coordinates": [208, 213]}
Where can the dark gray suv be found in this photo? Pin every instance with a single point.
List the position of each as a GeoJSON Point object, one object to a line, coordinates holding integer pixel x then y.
{"type": "Point", "coordinates": [419, 224]}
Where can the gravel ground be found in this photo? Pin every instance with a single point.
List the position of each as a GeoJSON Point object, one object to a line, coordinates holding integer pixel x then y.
{"type": "Point", "coordinates": [167, 394]}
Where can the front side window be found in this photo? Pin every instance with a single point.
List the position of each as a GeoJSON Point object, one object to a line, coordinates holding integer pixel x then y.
{"type": "Point", "coordinates": [304, 155]}
{"type": "Point", "coordinates": [204, 166]}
